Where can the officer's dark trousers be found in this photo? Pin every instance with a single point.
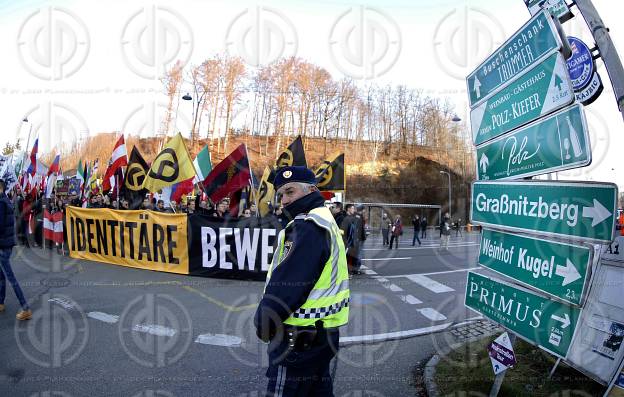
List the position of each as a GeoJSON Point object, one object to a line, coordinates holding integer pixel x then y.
{"type": "Point", "coordinates": [291, 381]}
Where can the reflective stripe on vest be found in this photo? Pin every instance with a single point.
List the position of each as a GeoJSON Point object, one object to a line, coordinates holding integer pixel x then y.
{"type": "Point", "coordinates": [329, 298]}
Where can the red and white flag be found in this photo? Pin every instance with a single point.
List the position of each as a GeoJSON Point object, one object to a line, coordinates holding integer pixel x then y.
{"type": "Point", "coordinates": [119, 159]}
{"type": "Point", "coordinates": [53, 226]}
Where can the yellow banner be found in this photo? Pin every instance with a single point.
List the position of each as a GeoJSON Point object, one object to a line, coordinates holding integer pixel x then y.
{"type": "Point", "coordinates": [141, 239]}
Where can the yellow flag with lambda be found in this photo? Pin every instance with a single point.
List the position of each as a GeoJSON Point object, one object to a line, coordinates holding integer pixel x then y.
{"type": "Point", "coordinates": [172, 165]}
{"type": "Point", "coordinates": [266, 193]}
{"type": "Point", "coordinates": [330, 176]}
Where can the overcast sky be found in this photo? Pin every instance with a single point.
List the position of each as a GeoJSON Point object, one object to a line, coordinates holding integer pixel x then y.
{"type": "Point", "coordinates": [83, 67]}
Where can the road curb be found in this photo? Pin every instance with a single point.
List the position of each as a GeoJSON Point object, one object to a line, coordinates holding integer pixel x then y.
{"type": "Point", "coordinates": [430, 368]}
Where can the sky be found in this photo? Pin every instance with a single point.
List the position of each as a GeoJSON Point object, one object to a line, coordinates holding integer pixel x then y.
{"type": "Point", "coordinates": [76, 68]}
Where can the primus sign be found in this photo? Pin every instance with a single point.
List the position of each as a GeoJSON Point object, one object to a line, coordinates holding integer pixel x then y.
{"type": "Point", "coordinates": [546, 323]}
{"type": "Point", "coordinates": [567, 209]}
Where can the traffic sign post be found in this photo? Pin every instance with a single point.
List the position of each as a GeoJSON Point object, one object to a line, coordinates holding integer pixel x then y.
{"type": "Point", "coordinates": [577, 210]}
{"type": "Point", "coordinates": [541, 321]}
{"type": "Point", "coordinates": [557, 269]}
{"type": "Point", "coordinates": [541, 90]}
{"type": "Point", "coordinates": [501, 353]}
{"type": "Point", "coordinates": [555, 143]}
{"type": "Point", "coordinates": [530, 45]}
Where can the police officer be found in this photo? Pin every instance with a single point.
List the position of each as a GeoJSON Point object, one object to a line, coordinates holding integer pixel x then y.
{"type": "Point", "coordinates": [306, 296]}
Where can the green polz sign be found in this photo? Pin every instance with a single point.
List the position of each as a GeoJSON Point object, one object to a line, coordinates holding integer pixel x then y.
{"type": "Point", "coordinates": [544, 322]}
{"type": "Point", "coordinates": [555, 143]}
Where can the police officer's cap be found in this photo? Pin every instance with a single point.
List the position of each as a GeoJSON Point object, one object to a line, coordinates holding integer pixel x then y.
{"type": "Point", "coordinates": [293, 174]}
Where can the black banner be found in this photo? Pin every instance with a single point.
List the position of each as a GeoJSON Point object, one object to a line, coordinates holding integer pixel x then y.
{"type": "Point", "coordinates": [240, 249]}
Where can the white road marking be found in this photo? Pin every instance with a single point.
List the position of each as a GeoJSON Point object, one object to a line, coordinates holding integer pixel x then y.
{"type": "Point", "coordinates": [219, 340]}
{"type": "Point", "coordinates": [382, 279]}
{"type": "Point", "coordinates": [412, 300]}
{"type": "Point", "coordinates": [377, 338]}
{"type": "Point", "coordinates": [385, 259]}
{"type": "Point", "coordinates": [433, 273]}
{"type": "Point", "coordinates": [432, 314]}
{"type": "Point", "coordinates": [368, 271]}
{"type": "Point", "coordinates": [154, 329]}
{"type": "Point", "coordinates": [428, 283]}
{"type": "Point", "coordinates": [64, 303]}
{"type": "Point", "coordinates": [394, 288]}
{"type": "Point", "coordinates": [105, 317]}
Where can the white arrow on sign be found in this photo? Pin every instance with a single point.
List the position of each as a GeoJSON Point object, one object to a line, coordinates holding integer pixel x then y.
{"type": "Point", "coordinates": [568, 272]}
{"type": "Point", "coordinates": [565, 320]}
{"type": "Point", "coordinates": [484, 162]}
{"type": "Point", "coordinates": [477, 86]}
{"type": "Point", "coordinates": [598, 213]}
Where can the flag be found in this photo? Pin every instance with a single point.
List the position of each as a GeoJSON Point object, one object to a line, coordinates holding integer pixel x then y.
{"type": "Point", "coordinates": [53, 226]}
{"type": "Point", "coordinates": [203, 164]}
{"type": "Point", "coordinates": [32, 168]}
{"type": "Point", "coordinates": [9, 178]}
{"type": "Point", "coordinates": [5, 161]}
{"type": "Point", "coordinates": [230, 175]}
{"type": "Point", "coordinates": [177, 190]}
{"type": "Point", "coordinates": [330, 176]}
{"type": "Point", "coordinates": [85, 178]}
{"type": "Point", "coordinates": [119, 159]}
{"type": "Point", "coordinates": [172, 165]}
{"type": "Point", "coordinates": [80, 173]}
{"type": "Point", "coordinates": [266, 193]}
{"type": "Point", "coordinates": [132, 187]}
{"type": "Point", "coordinates": [55, 166]}
{"type": "Point", "coordinates": [294, 155]}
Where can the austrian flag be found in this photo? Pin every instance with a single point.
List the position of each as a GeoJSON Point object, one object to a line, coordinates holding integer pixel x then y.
{"type": "Point", "coordinates": [53, 226]}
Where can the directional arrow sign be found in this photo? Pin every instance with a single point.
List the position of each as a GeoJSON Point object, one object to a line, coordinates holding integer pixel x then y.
{"type": "Point", "coordinates": [544, 322]}
{"type": "Point", "coordinates": [554, 143]}
{"type": "Point", "coordinates": [541, 90]}
{"type": "Point", "coordinates": [580, 210]}
{"type": "Point", "coordinates": [557, 269]}
{"type": "Point", "coordinates": [534, 41]}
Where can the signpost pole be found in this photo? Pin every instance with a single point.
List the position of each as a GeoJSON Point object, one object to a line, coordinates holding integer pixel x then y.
{"type": "Point", "coordinates": [554, 368]}
{"type": "Point", "coordinates": [498, 379]}
{"type": "Point", "coordinates": [608, 52]}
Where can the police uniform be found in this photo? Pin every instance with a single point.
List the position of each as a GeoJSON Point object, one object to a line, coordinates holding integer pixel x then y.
{"type": "Point", "coordinates": [306, 296]}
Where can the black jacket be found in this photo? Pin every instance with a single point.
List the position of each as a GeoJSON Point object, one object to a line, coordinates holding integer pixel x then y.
{"type": "Point", "coordinates": [7, 222]}
{"type": "Point", "coordinates": [294, 277]}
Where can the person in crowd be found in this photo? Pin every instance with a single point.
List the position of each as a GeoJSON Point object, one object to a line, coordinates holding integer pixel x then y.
{"type": "Point", "coordinates": [106, 202]}
{"type": "Point", "coordinates": [360, 236]}
{"type": "Point", "coordinates": [160, 206]}
{"type": "Point", "coordinates": [458, 228]}
{"type": "Point", "coordinates": [396, 232]}
{"type": "Point", "coordinates": [182, 207]}
{"type": "Point", "coordinates": [445, 231]}
{"type": "Point", "coordinates": [173, 207]}
{"type": "Point", "coordinates": [124, 204]}
{"type": "Point", "coordinates": [303, 307]}
{"type": "Point", "coordinates": [423, 227]}
{"type": "Point", "coordinates": [190, 208]}
{"type": "Point", "coordinates": [145, 204]}
{"type": "Point", "coordinates": [247, 213]}
{"type": "Point", "coordinates": [278, 215]}
{"type": "Point", "coordinates": [416, 223]}
{"type": "Point", "coordinates": [7, 242]}
{"type": "Point", "coordinates": [222, 209]}
{"type": "Point", "coordinates": [349, 229]}
{"type": "Point", "coordinates": [386, 226]}
{"type": "Point", "coordinates": [253, 209]}
{"type": "Point", "coordinates": [338, 212]}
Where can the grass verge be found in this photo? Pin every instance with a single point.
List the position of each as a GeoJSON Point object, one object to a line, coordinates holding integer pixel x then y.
{"type": "Point", "coordinates": [468, 369]}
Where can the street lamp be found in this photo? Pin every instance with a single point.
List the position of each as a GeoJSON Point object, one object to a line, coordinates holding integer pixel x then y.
{"type": "Point", "coordinates": [449, 187]}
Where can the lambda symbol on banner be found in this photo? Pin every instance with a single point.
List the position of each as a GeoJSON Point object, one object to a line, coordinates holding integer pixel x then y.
{"type": "Point", "coordinates": [326, 173]}
{"type": "Point", "coordinates": [164, 163]}
{"type": "Point", "coordinates": [285, 159]}
{"type": "Point", "coordinates": [135, 177]}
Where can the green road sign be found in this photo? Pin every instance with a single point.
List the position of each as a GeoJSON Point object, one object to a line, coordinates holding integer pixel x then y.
{"type": "Point", "coordinates": [544, 322]}
{"type": "Point", "coordinates": [541, 90]}
{"type": "Point", "coordinates": [534, 41]}
{"type": "Point", "coordinates": [557, 269]}
{"type": "Point", "coordinates": [579, 210]}
{"type": "Point", "coordinates": [555, 143]}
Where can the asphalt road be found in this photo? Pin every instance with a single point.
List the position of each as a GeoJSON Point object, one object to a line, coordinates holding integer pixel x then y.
{"type": "Point", "coordinates": [102, 330]}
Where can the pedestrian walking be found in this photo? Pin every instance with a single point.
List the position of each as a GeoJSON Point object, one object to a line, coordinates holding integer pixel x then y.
{"type": "Point", "coordinates": [445, 231]}
{"type": "Point", "coordinates": [7, 242]}
{"type": "Point", "coordinates": [306, 296]}
{"type": "Point", "coordinates": [458, 228]}
{"type": "Point", "coordinates": [423, 227]}
{"type": "Point", "coordinates": [416, 223]}
{"type": "Point", "coordinates": [397, 230]}
{"type": "Point", "coordinates": [386, 225]}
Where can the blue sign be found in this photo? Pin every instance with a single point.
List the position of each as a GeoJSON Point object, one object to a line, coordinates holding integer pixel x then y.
{"type": "Point", "coordinates": [581, 64]}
